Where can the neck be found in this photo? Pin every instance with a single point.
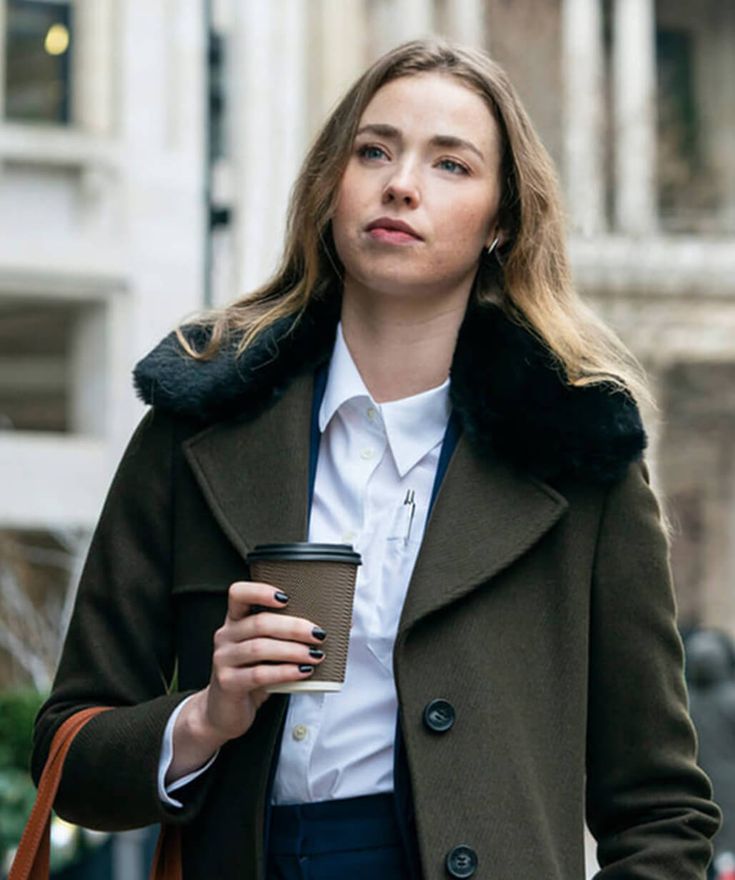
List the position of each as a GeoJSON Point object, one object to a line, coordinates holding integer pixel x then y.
{"type": "Point", "coordinates": [399, 347]}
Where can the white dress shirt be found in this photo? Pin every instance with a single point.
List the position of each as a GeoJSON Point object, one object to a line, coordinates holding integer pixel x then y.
{"type": "Point", "coordinates": [340, 744]}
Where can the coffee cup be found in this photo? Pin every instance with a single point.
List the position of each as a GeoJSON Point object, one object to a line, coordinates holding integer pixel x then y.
{"type": "Point", "coordinates": [320, 582]}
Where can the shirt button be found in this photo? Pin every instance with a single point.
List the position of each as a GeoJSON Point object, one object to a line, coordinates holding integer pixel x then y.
{"type": "Point", "coordinates": [300, 731]}
{"type": "Point", "coordinates": [348, 536]}
{"type": "Point", "coordinates": [367, 454]}
{"type": "Point", "coordinates": [370, 412]}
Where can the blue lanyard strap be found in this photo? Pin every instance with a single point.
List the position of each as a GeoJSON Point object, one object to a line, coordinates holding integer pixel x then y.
{"type": "Point", "coordinates": [451, 436]}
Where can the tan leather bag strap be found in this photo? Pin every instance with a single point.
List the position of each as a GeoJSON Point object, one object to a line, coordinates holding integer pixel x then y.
{"type": "Point", "coordinates": [31, 861]}
{"type": "Point", "coordinates": [166, 863]}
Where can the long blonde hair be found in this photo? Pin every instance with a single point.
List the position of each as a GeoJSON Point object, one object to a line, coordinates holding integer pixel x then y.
{"type": "Point", "coordinates": [536, 290]}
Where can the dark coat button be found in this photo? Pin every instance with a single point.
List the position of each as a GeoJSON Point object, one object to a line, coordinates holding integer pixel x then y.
{"type": "Point", "coordinates": [461, 861]}
{"type": "Point", "coordinates": [439, 715]}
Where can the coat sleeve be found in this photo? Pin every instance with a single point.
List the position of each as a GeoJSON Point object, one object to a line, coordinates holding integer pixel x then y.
{"type": "Point", "coordinates": [119, 651]}
{"type": "Point", "coordinates": [648, 804]}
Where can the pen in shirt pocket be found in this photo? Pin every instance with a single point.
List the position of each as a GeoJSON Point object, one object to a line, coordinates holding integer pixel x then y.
{"type": "Point", "coordinates": [411, 503]}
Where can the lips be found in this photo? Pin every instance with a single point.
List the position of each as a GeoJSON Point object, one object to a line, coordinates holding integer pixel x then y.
{"type": "Point", "coordinates": [394, 225]}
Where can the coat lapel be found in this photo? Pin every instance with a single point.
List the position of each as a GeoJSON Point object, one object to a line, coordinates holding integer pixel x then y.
{"type": "Point", "coordinates": [254, 472]}
{"type": "Point", "coordinates": [485, 517]}
{"type": "Point", "coordinates": [254, 475]}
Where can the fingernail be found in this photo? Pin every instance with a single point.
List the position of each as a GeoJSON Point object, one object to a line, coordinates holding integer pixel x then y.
{"type": "Point", "coordinates": [282, 597]}
{"type": "Point", "coordinates": [319, 633]}
{"type": "Point", "coordinates": [316, 652]}
{"type": "Point", "coordinates": [304, 667]}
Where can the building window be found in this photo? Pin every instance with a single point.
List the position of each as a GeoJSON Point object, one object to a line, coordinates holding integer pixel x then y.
{"type": "Point", "coordinates": [36, 347]}
{"type": "Point", "coordinates": [38, 48]}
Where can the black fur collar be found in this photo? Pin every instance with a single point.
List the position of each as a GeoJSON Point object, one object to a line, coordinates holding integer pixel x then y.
{"type": "Point", "coordinates": [509, 395]}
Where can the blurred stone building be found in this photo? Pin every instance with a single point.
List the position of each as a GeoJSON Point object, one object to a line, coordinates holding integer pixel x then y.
{"type": "Point", "coordinates": [147, 150]}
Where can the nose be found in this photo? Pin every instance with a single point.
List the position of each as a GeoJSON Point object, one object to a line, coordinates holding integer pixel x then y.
{"type": "Point", "coordinates": [402, 186]}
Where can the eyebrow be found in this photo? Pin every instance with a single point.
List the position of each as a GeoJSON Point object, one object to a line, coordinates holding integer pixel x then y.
{"type": "Point", "coordinates": [438, 140]}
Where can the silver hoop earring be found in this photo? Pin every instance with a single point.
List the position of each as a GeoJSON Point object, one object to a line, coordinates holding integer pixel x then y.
{"type": "Point", "coordinates": [489, 250]}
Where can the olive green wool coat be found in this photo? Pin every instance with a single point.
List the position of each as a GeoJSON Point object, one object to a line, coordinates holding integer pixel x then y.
{"type": "Point", "coordinates": [540, 606]}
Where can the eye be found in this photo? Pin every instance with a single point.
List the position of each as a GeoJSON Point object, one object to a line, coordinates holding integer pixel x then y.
{"type": "Point", "coordinates": [456, 167]}
{"type": "Point", "coordinates": [368, 151]}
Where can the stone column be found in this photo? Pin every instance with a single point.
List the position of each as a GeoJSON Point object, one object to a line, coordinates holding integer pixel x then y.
{"type": "Point", "coordinates": [726, 611]}
{"type": "Point", "coordinates": [724, 124]}
{"type": "Point", "coordinates": [583, 114]}
{"type": "Point", "coordinates": [88, 380]}
{"type": "Point", "coordinates": [3, 30]}
{"type": "Point", "coordinates": [159, 225]}
{"type": "Point", "coordinates": [268, 108]}
{"type": "Point", "coordinates": [94, 63]}
{"type": "Point", "coordinates": [341, 28]}
{"type": "Point", "coordinates": [394, 21]}
{"type": "Point", "coordinates": [465, 22]}
{"type": "Point", "coordinates": [634, 108]}
{"type": "Point", "coordinates": [413, 18]}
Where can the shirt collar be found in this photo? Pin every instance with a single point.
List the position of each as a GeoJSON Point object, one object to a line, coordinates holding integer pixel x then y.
{"type": "Point", "coordinates": [413, 425]}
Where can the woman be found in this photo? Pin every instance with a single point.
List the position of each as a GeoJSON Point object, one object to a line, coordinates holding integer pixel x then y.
{"type": "Point", "coordinates": [514, 661]}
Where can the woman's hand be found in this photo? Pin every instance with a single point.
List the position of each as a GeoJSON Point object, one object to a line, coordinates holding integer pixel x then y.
{"type": "Point", "coordinates": [252, 649]}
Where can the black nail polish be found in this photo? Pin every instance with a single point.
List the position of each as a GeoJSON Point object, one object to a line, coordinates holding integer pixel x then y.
{"type": "Point", "coordinates": [304, 667]}
{"type": "Point", "coordinates": [316, 652]}
{"type": "Point", "coordinates": [281, 597]}
{"type": "Point", "coordinates": [319, 633]}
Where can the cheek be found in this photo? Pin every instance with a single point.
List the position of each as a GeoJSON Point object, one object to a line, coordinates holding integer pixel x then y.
{"type": "Point", "coordinates": [465, 225]}
{"type": "Point", "coordinates": [343, 216]}
{"type": "Point", "coordinates": [348, 195]}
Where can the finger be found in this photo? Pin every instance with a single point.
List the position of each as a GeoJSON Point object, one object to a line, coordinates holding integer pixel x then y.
{"type": "Point", "coordinates": [265, 650]}
{"type": "Point", "coordinates": [243, 595]}
{"type": "Point", "coordinates": [244, 679]}
{"type": "Point", "coordinates": [278, 626]}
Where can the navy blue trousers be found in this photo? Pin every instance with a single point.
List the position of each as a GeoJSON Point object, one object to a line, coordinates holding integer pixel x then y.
{"type": "Point", "coordinates": [355, 837]}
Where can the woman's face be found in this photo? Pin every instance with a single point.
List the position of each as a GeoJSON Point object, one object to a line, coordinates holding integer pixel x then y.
{"type": "Point", "coordinates": [426, 154]}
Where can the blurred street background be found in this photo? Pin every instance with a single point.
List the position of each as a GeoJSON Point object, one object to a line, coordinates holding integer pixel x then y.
{"type": "Point", "coordinates": [147, 150]}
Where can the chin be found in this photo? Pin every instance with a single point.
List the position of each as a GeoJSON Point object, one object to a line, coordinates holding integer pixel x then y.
{"type": "Point", "coordinates": [407, 292]}
{"type": "Point", "coordinates": [393, 271]}
{"type": "Point", "coordinates": [396, 280]}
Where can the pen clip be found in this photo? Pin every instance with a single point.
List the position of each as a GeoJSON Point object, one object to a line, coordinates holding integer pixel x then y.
{"type": "Point", "coordinates": [409, 499]}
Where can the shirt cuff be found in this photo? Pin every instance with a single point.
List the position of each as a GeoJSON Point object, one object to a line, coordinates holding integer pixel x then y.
{"type": "Point", "coordinates": [167, 754]}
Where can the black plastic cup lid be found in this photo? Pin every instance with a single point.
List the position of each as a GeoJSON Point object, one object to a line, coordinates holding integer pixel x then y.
{"type": "Point", "coordinates": [305, 552]}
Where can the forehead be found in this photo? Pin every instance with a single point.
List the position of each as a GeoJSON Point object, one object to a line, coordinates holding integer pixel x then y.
{"type": "Point", "coordinates": [433, 103]}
